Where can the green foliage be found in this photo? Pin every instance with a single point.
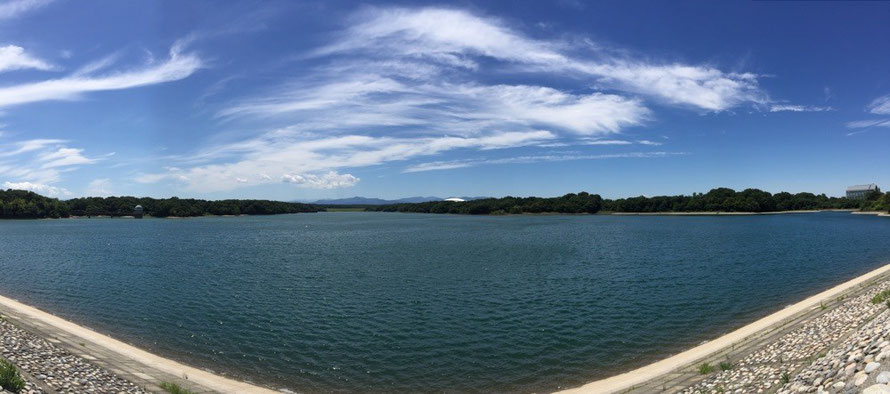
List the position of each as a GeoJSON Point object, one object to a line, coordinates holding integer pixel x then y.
{"type": "Point", "coordinates": [717, 200]}
{"type": "Point", "coordinates": [705, 368]}
{"type": "Point", "coordinates": [10, 379]}
{"type": "Point", "coordinates": [174, 388]}
{"type": "Point", "coordinates": [728, 200]}
{"type": "Point", "coordinates": [569, 203]}
{"type": "Point", "coordinates": [881, 297]}
{"type": "Point", "coordinates": [786, 377]}
{"type": "Point", "coordinates": [725, 365]}
{"type": "Point", "coordinates": [877, 202]}
{"type": "Point", "coordinates": [22, 204]}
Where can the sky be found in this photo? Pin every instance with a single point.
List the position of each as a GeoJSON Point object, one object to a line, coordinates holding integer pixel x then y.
{"type": "Point", "coordinates": [305, 100]}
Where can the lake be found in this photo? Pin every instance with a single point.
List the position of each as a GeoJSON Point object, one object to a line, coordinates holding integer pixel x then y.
{"type": "Point", "coordinates": [389, 302]}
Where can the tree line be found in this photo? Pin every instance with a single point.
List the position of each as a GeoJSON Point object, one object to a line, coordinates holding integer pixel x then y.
{"type": "Point", "coordinates": [29, 205]}
{"type": "Point", "coordinates": [716, 200]}
{"type": "Point", "coordinates": [26, 204]}
{"type": "Point", "coordinates": [570, 203]}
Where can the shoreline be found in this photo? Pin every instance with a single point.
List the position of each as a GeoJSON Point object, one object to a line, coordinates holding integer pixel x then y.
{"type": "Point", "coordinates": [129, 362]}
{"type": "Point", "coordinates": [675, 367]}
{"type": "Point", "coordinates": [715, 213]}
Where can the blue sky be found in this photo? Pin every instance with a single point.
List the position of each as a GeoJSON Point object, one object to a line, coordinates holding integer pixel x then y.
{"type": "Point", "coordinates": [305, 100]}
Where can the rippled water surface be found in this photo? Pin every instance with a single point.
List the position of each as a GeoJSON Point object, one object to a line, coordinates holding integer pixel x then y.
{"type": "Point", "coordinates": [409, 302]}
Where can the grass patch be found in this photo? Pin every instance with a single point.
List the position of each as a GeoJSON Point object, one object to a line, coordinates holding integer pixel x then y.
{"type": "Point", "coordinates": [786, 377]}
{"type": "Point", "coordinates": [174, 388]}
{"type": "Point", "coordinates": [10, 379]}
{"type": "Point", "coordinates": [725, 365]}
{"type": "Point", "coordinates": [881, 297]}
{"type": "Point", "coordinates": [705, 368]}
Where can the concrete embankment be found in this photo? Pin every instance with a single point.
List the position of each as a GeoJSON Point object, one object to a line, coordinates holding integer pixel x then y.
{"type": "Point", "coordinates": [765, 355]}
{"type": "Point", "coordinates": [56, 355]}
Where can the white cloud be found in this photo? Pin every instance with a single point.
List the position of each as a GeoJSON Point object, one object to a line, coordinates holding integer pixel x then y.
{"type": "Point", "coordinates": [14, 58]}
{"type": "Point", "coordinates": [448, 165]}
{"type": "Point", "coordinates": [880, 105]}
{"type": "Point", "coordinates": [63, 157]}
{"type": "Point", "coordinates": [39, 188]}
{"type": "Point", "coordinates": [328, 180]}
{"type": "Point", "coordinates": [314, 161]}
{"type": "Point", "coordinates": [177, 66]}
{"type": "Point", "coordinates": [14, 8]}
{"type": "Point", "coordinates": [373, 101]}
{"type": "Point", "coordinates": [459, 39]}
{"type": "Point", "coordinates": [860, 124]}
{"type": "Point", "coordinates": [40, 161]}
{"type": "Point", "coordinates": [798, 108]}
{"type": "Point", "coordinates": [99, 188]}
{"type": "Point", "coordinates": [647, 142]}
{"type": "Point", "coordinates": [605, 142]}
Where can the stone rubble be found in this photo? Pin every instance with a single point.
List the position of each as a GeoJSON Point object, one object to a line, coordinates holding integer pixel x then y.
{"type": "Point", "coordinates": [840, 351]}
{"type": "Point", "coordinates": [56, 368]}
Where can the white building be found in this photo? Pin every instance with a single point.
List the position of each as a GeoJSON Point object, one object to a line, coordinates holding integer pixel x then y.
{"type": "Point", "coordinates": [859, 192]}
{"type": "Point", "coordinates": [455, 199]}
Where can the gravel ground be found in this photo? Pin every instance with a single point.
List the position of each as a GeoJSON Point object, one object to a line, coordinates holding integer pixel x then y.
{"type": "Point", "coordinates": [50, 369]}
{"type": "Point", "coordinates": [812, 349]}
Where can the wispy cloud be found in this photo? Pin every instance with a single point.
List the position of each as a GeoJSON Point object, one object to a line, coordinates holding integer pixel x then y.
{"type": "Point", "coordinates": [14, 58]}
{"type": "Point", "coordinates": [372, 101]}
{"type": "Point", "coordinates": [459, 39]}
{"type": "Point", "coordinates": [178, 66]}
{"type": "Point", "coordinates": [798, 108]}
{"type": "Point", "coordinates": [314, 161]}
{"type": "Point", "coordinates": [880, 105]}
{"type": "Point", "coordinates": [13, 8]}
{"type": "Point", "coordinates": [453, 164]}
{"type": "Point", "coordinates": [39, 188]}
{"type": "Point", "coordinates": [860, 124]}
{"type": "Point", "coordinates": [99, 188]}
{"type": "Point", "coordinates": [40, 161]}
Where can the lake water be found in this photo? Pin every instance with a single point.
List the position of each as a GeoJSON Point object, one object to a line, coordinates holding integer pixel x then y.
{"type": "Point", "coordinates": [383, 302]}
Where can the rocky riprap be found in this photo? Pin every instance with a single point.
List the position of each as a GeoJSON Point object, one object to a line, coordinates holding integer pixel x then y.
{"type": "Point", "coordinates": [50, 369]}
{"type": "Point", "coordinates": [860, 363]}
{"type": "Point", "coordinates": [832, 353]}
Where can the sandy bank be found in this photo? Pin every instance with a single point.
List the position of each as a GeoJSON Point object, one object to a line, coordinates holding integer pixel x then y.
{"type": "Point", "coordinates": [131, 363]}
{"type": "Point", "coordinates": [876, 213]}
{"type": "Point", "coordinates": [673, 367]}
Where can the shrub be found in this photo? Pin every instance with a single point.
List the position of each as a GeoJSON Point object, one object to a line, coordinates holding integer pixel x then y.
{"type": "Point", "coordinates": [881, 297]}
{"type": "Point", "coordinates": [174, 388]}
{"type": "Point", "coordinates": [705, 368]}
{"type": "Point", "coordinates": [725, 365]}
{"type": "Point", "coordinates": [10, 379]}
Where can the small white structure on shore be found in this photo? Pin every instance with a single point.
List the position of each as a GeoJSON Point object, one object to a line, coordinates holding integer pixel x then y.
{"type": "Point", "coordinates": [137, 212]}
{"type": "Point", "coordinates": [859, 192]}
{"type": "Point", "coordinates": [455, 199]}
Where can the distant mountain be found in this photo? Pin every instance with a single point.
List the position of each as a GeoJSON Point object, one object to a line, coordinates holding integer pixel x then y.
{"type": "Point", "coordinates": [379, 201]}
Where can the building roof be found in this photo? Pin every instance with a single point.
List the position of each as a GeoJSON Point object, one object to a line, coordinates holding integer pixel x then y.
{"type": "Point", "coordinates": [862, 188]}
{"type": "Point", "coordinates": [455, 199]}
